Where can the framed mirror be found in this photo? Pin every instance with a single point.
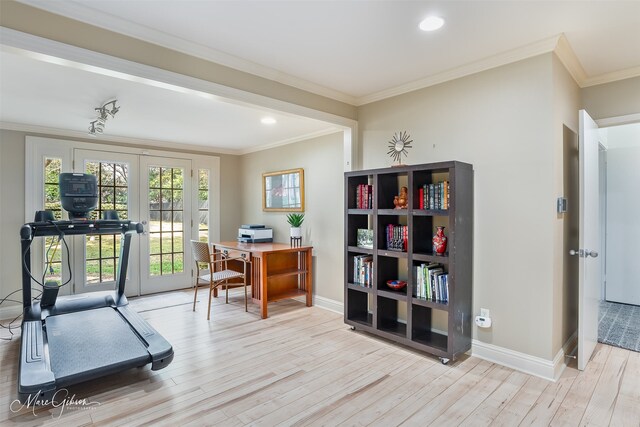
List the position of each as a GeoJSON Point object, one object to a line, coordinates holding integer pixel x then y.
{"type": "Point", "coordinates": [283, 191]}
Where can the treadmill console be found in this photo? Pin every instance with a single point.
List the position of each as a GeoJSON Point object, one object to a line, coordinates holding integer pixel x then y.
{"type": "Point", "coordinates": [78, 193]}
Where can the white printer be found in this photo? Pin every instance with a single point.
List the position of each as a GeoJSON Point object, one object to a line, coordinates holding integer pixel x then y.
{"type": "Point", "coordinates": [255, 233]}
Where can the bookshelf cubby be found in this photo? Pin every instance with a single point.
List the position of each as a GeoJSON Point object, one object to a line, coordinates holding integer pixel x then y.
{"type": "Point", "coordinates": [439, 326]}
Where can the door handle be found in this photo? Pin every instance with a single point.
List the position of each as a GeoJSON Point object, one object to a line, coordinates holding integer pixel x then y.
{"type": "Point", "coordinates": [583, 253]}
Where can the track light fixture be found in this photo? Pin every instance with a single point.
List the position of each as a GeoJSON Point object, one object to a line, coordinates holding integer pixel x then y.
{"type": "Point", "coordinates": [95, 127]}
{"type": "Point", "coordinates": [109, 108]}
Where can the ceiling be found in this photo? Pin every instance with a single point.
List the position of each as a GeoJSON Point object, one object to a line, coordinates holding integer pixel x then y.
{"type": "Point", "coordinates": [353, 51]}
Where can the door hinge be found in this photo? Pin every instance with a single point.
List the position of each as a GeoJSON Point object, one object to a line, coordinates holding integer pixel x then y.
{"type": "Point", "coordinates": [191, 173]}
{"type": "Point", "coordinates": [192, 223]}
{"type": "Point", "coordinates": [73, 165]}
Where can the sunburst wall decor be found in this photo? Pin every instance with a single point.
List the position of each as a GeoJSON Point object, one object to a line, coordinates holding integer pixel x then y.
{"type": "Point", "coordinates": [399, 145]}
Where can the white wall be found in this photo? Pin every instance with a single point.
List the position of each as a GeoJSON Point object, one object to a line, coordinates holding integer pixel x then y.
{"type": "Point", "coordinates": [321, 158]}
{"type": "Point", "coordinates": [623, 223]}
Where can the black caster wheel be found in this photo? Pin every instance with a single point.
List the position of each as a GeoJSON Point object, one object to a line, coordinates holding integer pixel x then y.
{"type": "Point", "coordinates": [444, 360]}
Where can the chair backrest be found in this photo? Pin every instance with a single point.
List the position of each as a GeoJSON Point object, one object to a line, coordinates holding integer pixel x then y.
{"type": "Point", "coordinates": [200, 251]}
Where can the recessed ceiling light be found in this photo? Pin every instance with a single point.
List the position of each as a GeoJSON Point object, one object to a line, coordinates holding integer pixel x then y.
{"type": "Point", "coordinates": [431, 23]}
{"type": "Point", "coordinates": [268, 121]}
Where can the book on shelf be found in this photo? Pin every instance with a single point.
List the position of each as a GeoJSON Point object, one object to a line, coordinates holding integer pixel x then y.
{"type": "Point", "coordinates": [364, 238]}
{"type": "Point", "coordinates": [397, 237]}
{"type": "Point", "coordinates": [363, 270]}
{"type": "Point", "coordinates": [431, 282]}
{"type": "Point", "coordinates": [364, 196]}
{"type": "Point", "coordinates": [435, 196]}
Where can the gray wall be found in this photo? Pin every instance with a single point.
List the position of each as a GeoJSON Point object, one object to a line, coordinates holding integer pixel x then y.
{"type": "Point", "coordinates": [612, 99]}
{"type": "Point", "coordinates": [501, 121]}
{"type": "Point", "coordinates": [565, 285]}
{"type": "Point", "coordinates": [321, 159]}
{"type": "Point", "coordinates": [12, 193]}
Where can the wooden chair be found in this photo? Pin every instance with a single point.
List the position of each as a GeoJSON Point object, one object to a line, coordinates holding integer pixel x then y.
{"type": "Point", "coordinates": [216, 276]}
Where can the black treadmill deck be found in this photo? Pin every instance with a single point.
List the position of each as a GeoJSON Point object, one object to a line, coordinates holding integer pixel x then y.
{"type": "Point", "coordinates": [84, 343]}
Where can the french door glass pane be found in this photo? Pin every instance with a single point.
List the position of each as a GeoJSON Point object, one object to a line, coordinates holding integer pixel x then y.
{"type": "Point", "coordinates": [52, 245]}
{"type": "Point", "coordinates": [166, 213]}
{"type": "Point", "coordinates": [203, 205]}
{"type": "Point", "coordinates": [102, 251]}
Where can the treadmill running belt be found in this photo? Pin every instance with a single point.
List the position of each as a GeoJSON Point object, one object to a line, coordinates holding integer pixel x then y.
{"type": "Point", "coordinates": [89, 343]}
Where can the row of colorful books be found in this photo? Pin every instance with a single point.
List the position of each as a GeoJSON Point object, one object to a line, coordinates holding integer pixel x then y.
{"type": "Point", "coordinates": [363, 270]}
{"type": "Point", "coordinates": [434, 196]}
{"type": "Point", "coordinates": [431, 282]}
{"type": "Point", "coordinates": [364, 196]}
{"type": "Point", "coordinates": [397, 237]}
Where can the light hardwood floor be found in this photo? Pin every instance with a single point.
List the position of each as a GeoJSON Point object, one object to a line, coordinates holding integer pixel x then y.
{"type": "Point", "coordinates": [304, 366]}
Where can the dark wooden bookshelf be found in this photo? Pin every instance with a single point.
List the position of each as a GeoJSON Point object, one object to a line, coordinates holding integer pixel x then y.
{"type": "Point", "coordinates": [399, 315]}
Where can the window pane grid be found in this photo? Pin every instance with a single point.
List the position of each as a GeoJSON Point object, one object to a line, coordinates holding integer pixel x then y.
{"type": "Point", "coordinates": [52, 169]}
{"type": "Point", "coordinates": [166, 211]}
{"type": "Point", "coordinates": [203, 205]}
{"type": "Point", "coordinates": [102, 251]}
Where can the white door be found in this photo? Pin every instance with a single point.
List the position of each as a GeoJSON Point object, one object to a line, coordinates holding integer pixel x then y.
{"type": "Point", "coordinates": [96, 257]}
{"type": "Point", "coordinates": [166, 213]}
{"type": "Point", "coordinates": [589, 263]}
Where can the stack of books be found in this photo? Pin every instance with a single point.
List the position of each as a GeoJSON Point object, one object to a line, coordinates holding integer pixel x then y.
{"type": "Point", "coordinates": [397, 237]}
{"type": "Point", "coordinates": [431, 282]}
{"type": "Point", "coordinates": [364, 196]}
{"type": "Point", "coordinates": [363, 270]}
{"type": "Point", "coordinates": [434, 196]}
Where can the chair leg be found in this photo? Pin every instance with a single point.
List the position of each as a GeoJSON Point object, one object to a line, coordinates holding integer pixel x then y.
{"type": "Point", "coordinates": [210, 295]}
{"type": "Point", "coordinates": [226, 292]}
{"type": "Point", "coordinates": [195, 296]}
{"type": "Point", "coordinates": [245, 296]}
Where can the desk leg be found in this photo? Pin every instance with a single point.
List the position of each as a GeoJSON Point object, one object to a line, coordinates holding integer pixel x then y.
{"type": "Point", "coordinates": [264, 297]}
{"type": "Point", "coordinates": [309, 277]}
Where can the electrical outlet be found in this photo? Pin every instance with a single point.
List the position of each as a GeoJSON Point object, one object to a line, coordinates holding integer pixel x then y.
{"type": "Point", "coordinates": [484, 312]}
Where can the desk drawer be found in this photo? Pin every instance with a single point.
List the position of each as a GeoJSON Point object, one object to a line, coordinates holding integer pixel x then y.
{"type": "Point", "coordinates": [233, 253]}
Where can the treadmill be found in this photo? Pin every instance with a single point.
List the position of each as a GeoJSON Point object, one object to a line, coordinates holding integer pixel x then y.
{"type": "Point", "coordinates": [71, 339]}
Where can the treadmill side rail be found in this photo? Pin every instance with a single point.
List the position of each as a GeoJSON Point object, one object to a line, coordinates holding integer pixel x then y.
{"type": "Point", "coordinates": [159, 349]}
{"type": "Point", "coordinates": [36, 382]}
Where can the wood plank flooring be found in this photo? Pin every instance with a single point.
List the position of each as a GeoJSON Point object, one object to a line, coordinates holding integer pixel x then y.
{"type": "Point", "coordinates": [305, 367]}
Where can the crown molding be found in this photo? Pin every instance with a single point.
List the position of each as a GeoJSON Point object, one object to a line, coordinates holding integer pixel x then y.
{"type": "Point", "coordinates": [293, 140]}
{"type": "Point", "coordinates": [82, 13]}
{"type": "Point", "coordinates": [50, 131]}
{"type": "Point", "coordinates": [618, 120]}
{"type": "Point", "coordinates": [514, 55]}
{"type": "Point", "coordinates": [611, 77]}
{"type": "Point", "coordinates": [567, 56]}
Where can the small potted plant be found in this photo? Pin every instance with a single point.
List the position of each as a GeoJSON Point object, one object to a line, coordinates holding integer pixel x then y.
{"type": "Point", "coordinates": [295, 220]}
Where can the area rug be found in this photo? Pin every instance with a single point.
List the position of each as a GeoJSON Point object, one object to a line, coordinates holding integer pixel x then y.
{"type": "Point", "coordinates": [619, 325]}
{"type": "Point", "coordinates": [164, 300]}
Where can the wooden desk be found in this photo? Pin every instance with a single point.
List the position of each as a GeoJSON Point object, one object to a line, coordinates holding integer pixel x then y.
{"type": "Point", "coordinates": [278, 271]}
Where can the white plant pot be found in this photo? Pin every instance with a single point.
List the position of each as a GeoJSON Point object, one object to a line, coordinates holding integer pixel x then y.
{"type": "Point", "coordinates": [296, 231]}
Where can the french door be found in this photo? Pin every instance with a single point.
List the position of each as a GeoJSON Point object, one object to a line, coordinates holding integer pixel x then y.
{"type": "Point", "coordinates": [96, 257]}
{"type": "Point", "coordinates": [154, 191]}
{"type": "Point", "coordinates": [166, 213]}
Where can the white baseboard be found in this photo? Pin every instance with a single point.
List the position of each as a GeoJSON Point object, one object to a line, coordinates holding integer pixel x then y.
{"type": "Point", "coordinates": [325, 303]}
{"type": "Point", "coordinates": [533, 365]}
